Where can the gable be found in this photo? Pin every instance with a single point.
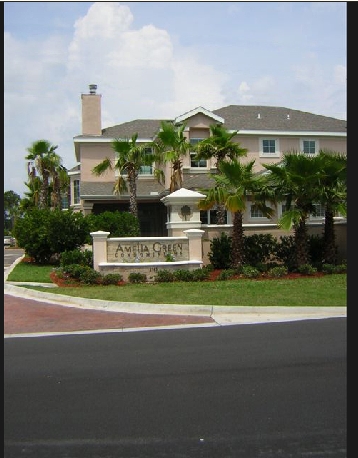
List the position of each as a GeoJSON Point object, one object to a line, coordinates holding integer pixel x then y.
{"type": "Point", "coordinates": [196, 111]}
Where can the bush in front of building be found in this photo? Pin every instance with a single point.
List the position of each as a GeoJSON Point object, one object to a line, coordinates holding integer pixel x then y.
{"type": "Point", "coordinates": [77, 256]}
{"type": "Point", "coordinates": [118, 224]}
{"type": "Point", "coordinates": [44, 234]}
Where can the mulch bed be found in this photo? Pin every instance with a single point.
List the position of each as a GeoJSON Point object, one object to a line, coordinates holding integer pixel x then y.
{"type": "Point", "coordinates": [214, 274]}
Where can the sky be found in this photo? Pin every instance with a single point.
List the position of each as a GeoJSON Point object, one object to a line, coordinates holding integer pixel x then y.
{"type": "Point", "coordinates": [158, 60]}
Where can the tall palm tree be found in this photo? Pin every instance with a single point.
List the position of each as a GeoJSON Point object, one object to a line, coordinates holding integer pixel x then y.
{"type": "Point", "coordinates": [234, 183]}
{"type": "Point", "coordinates": [332, 189]}
{"type": "Point", "coordinates": [294, 181]}
{"type": "Point", "coordinates": [219, 146]}
{"type": "Point", "coordinates": [60, 183]}
{"type": "Point", "coordinates": [32, 195]}
{"type": "Point", "coordinates": [41, 159]}
{"type": "Point", "coordinates": [131, 157]}
{"type": "Point", "coordinates": [172, 146]}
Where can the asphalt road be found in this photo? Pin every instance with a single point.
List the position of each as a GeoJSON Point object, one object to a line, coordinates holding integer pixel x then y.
{"type": "Point", "coordinates": [10, 256]}
{"type": "Point", "coordinates": [253, 391]}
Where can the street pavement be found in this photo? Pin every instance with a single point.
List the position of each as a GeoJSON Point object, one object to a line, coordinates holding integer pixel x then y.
{"type": "Point", "coordinates": [29, 312]}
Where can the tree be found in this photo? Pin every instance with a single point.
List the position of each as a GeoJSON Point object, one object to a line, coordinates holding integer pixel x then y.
{"type": "Point", "coordinates": [131, 157]}
{"type": "Point", "coordinates": [219, 146]}
{"type": "Point", "coordinates": [332, 191]}
{"type": "Point", "coordinates": [46, 233]}
{"type": "Point", "coordinates": [234, 182]}
{"type": "Point", "coordinates": [60, 183]}
{"type": "Point", "coordinates": [294, 181]}
{"type": "Point", "coordinates": [44, 169]}
{"type": "Point", "coordinates": [172, 146]}
{"type": "Point", "coordinates": [11, 209]}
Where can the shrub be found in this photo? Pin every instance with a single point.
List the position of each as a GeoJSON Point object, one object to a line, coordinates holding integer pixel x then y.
{"type": "Point", "coordinates": [77, 256]}
{"type": "Point", "coordinates": [306, 269]}
{"type": "Point", "coordinates": [277, 272]}
{"type": "Point", "coordinates": [226, 274]}
{"type": "Point", "coordinates": [183, 275]}
{"type": "Point", "coordinates": [285, 251]}
{"type": "Point", "coordinates": [316, 248]}
{"type": "Point", "coordinates": [259, 248]}
{"type": "Point", "coordinates": [83, 274]}
{"type": "Point", "coordinates": [250, 272]}
{"type": "Point", "coordinates": [220, 252]}
{"type": "Point", "coordinates": [200, 274]}
{"type": "Point", "coordinates": [137, 277]}
{"type": "Point", "coordinates": [333, 269]}
{"type": "Point", "coordinates": [89, 276]}
{"type": "Point", "coordinates": [340, 268]}
{"type": "Point", "coordinates": [164, 276]}
{"type": "Point", "coordinates": [112, 279]}
{"type": "Point", "coordinates": [328, 268]}
{"type": "Point", "coordinates": [118, 224]}
{"type": "Point", "coordinates": [44, 234]}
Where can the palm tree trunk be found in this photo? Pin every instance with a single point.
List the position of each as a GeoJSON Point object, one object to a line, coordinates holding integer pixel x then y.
{"type": "Point", "coordinates": [237, 246]}
{"type": "Point", "coordinates": [43, 200]}
{"type": "Point", "coordinates": [329, 237]}
{"type": "Point", "coordinates": [220, 214]}
{"type": "Point", "coordinates": [301, 244]}
{"type": "Point", "coordinates": [133, 208]}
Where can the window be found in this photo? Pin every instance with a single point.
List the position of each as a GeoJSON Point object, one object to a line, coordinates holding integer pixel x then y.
{"type": "Point", "coordinates": [210, 217]}
{"type": "Point", "coordinates": [255, 212]}
{"type": "Point", "coordinates": [76, 192]}
{"type": "Point", "coordinates": [146, 169]}
{"type": "Point", "coordinates": [309, 146]}
{"type": "Point", "coordinates": [193, 163]}
{"type": "Point", "coordinates": [319, 211]}
{"type": "Point", "coordinates": [64, 201]}
{"type": "Point", "coordinates": [269, 147]}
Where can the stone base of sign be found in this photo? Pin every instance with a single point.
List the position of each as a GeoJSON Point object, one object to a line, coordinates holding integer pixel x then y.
{"type": "Point", "coordinates": [149, 269]}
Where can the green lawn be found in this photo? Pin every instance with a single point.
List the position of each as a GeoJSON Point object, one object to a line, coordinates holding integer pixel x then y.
{"type": "Point", "coordinates": [326, 291]}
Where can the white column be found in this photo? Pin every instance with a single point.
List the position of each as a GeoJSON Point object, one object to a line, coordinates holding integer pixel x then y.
{"type": "Point", "coordinates": [195, 244]}
{"type": "Point", "coordinates": [99, 247]}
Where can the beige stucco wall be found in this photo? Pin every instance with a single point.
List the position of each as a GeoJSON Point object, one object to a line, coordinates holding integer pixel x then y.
{"type": "Point", "coordinates": [92, 155]}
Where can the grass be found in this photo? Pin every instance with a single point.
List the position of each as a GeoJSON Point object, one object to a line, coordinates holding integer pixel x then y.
{"type": "Point", "coordinates": [30, 272]}
{"type": "Point", "coordinates": [325, 291]}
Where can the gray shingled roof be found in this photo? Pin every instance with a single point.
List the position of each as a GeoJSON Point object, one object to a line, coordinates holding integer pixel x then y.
{"type": "Point", "coordinates": [144, 187]}
{"type": "Point", "coordinates": [105, 190]}
{"type": "Point", "coordinates": [240, 117]}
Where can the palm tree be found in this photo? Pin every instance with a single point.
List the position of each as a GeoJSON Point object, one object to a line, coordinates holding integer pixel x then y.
{"type": "Point", "coordinates": [131, 157]}
{"type": "Point", "coordinates": [172, 146]}
{"type": "Point", "coordinates": [60, 183]}
{"type": "Point", "coordinates": [219, 146]}
{"type": "Point", "coordinates": [32, 195]}
{"type": "Point", "coordinates": [41, 159]}
{"type": "Point", "coordinates": [234, 182]}
{"type": "Point", "coordinates": [332, 191]}
{"type": "Point", "coordinates": [294, 181]}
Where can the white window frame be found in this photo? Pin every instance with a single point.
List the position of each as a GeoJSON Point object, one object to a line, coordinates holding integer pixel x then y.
{"type": "Point", "coordinates": [192, 153]}
{"type": "Point", "coordinates": [277, 152]}
{"type": "Point", "coordinates": [261, 216]}
{"type": "Point", "coordinates": [151, 167]}
{"type": "Point", "coordinates": [302, 140]}
{"type": "Point", "coordinates": [319, 216]}
{"type": "Point", "coordinates": [208, 213]}
{"type": "Point", "coordinates": [140, 174]}
{"type": "Point", "coordinates": [76, 195]}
